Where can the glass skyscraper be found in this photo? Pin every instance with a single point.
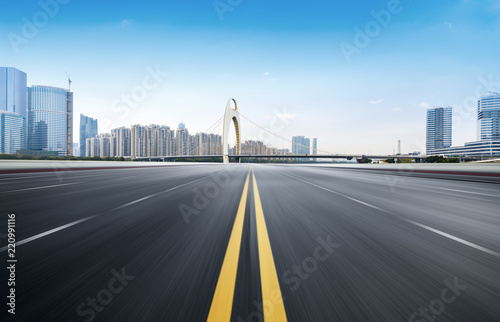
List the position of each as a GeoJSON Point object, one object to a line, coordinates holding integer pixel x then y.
{"type": "Point", "coordinates": [13, 109]}
{"type": "Point", "coordinates": [48, 118]}
{"type": "Point", "coordinates": [12, 132]}
{"type": "Point", "coordinates": [439, 125]}
{"type": "Point", "coordinates": [301, 145]}
{"type": "Point", "coordinates": [13, 91]}
{"type": "Point", "coordinates": [88, 130]}
{"type": "Point", "coordinates": [488, 117]}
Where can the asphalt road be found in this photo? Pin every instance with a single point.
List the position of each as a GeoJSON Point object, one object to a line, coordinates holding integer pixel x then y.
{"type": "Point", "coordinates": [310, 243]}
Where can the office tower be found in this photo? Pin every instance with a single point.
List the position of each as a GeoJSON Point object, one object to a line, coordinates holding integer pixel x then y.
{"type": "Point", "coordinates": [315, 148]}
{"type": "Point", "coordinates": [13, 109]}
{"type": "Point", "coordinates": [182, 140]}
{"type": "Point", "coordinates": [138, 138]}
{"type": "Point", "coordinates": [88, 129]}
{"type": "Point", "coordinates": [12, 132]}
{"type": "Point", "coordinates": [439, 124]}
{"type": "Point", "coordinates": [488, 117]}
{"type": "Point", "coordinates": [48, 119]}
{"type": "Point", "coordinates": [13, 91]}
{"type": "Point", "coordinates": [123, 141]}
{"type": "Point", "coordinates": [301, 145]}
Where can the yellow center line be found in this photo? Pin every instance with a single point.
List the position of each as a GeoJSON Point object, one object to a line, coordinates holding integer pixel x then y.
{"type": "Point", "coordinates": [222, 303]}
{"type": "Point", "coordinates": [274, 310]}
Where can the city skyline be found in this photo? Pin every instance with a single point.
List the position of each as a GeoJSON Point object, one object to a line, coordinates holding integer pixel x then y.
{"type": "Point", "coordinates": [193, 65]}
{"type": "Point", "coordinates": [49, 108]}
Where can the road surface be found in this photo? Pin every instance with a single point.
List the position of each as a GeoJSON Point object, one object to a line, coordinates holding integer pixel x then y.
{"type": "Point", "coordinates": [244, 242]}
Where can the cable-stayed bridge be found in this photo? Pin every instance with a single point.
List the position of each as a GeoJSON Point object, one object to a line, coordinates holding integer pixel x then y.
{"type": "Point", "coordinates": [254, 141]}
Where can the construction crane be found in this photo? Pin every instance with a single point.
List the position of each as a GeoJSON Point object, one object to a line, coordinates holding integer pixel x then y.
{"type": "Point", "coordinates": [70, 120]}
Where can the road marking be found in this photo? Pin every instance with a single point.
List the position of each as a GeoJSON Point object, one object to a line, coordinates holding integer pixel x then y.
{"type": "Point", "coordinates": [271, 292]}
{"type": "Point", "coordinates": [222, 303]}
{"type": "Point", "coordinates": [335, 192]}
{"type": "Point", "coordinates": [21, 178]}
{"type": "Point", "coordinates": [48, 232]}
{"type": "Point", "coordinates": [134, 202]}
{"type": "Point", "coordinates": [44, 187]}
{"type": "Point", "coordinates": [158, 193]}
{"type": "Point", "coordinates": [460, 240]}
{"type": "Point", "coordinates": [471, 192]}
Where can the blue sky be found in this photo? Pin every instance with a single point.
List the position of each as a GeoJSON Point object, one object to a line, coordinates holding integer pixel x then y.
{"type": "Point", "coordinates": [275, 57]}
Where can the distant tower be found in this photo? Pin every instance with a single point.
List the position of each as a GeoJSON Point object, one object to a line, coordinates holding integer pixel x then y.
{"type": "Point", "coordinates": [315, 148]}
{"type": "Point", "coordinates": [488, 117]}
{"type": "Point", "coordinates": [69, 147]}
{"type": "Point", "coordinates": [439, 128]}
{"type": "Point", "coordinates": [399, 147]}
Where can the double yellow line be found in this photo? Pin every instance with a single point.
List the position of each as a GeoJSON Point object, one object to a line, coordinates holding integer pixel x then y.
{"type": "Point", "coordinates": [222, 303]}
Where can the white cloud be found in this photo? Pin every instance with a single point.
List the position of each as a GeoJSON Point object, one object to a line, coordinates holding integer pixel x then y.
{"type": "Point", "coordinates": [395, 109]}
{"type": "Point", "coordinates": [266, 74]}
{"type": "Point", "coordinates": [449, 24]}
{"type": "Point", "coordinates": [424, 105]}
{"type": "Point", "coordinates": [126, 23]}
{"type": "Point", "coordinates": [376, 101]}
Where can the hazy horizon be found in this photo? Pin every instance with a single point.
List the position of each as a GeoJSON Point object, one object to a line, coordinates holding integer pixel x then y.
{"type": "Point", "coordinates": [303, 61]}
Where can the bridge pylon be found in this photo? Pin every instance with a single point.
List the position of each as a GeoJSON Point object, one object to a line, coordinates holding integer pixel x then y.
{"type": "Point", "coordinates": [230, 115]}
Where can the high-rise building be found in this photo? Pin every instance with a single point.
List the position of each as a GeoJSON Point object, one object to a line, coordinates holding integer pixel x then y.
{"type": "Point", "coordinates": [315, 147]}
{"type": "Point", "coordinates": [164, 138]}
{"type": "Point", "coordinates": [138, 138]}
{"type": "Point", "coordinates": [215, 144]}
{"type": "Point", "coordinates": [106, 145]}
{"type": "Point", "coordinates": [182, 140]}
{"type": "Point", "coordinates": [151, 148]}
{"type": "Point", "coordinates": [439, 125]}
{"type": "Point", "coordinates": [13, 107]}
{"type": "Point", "coordinates": [301, 145]}
{"type": "Point", "coordinates": [123, 141]}
{"type": "Point", "coordinates": [113, 147]}
{"type": "Point", "coordinates": [76, 149]}
{"type": "Point", "coordinates": [48, 119]}
{"type": "Point", "coordinates": [11, 132]}
{"type": "Point", "coordinates": [193, 145]}
{"type": "Point", "coordinates": [253, 147]}
{"type": "Point", "coordinates": [203, 143]}
{"type": "Point", "coordinates": [88, 129]}
{"type": "Point", "coordinates": [13, 84]}
{"type": "Point", "coordinates": [488, 117]}
{"type": "Point", "coordinates": [93, 148]}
